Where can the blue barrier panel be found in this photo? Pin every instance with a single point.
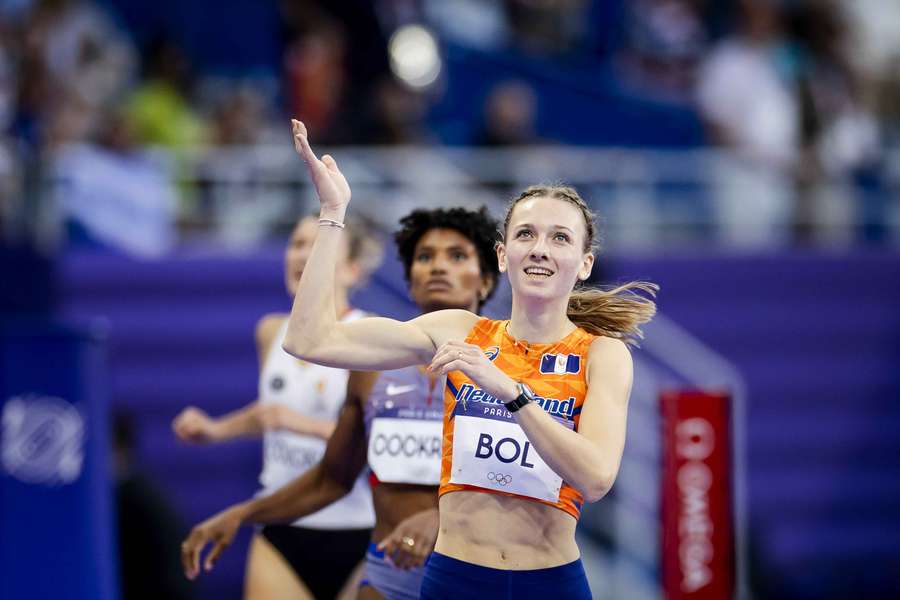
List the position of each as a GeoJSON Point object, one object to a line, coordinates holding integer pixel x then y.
{"type": "Point", "coordinates": [56, 508]}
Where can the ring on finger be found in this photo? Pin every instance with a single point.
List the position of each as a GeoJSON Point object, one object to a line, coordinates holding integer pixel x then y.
{"type": "Point", "coordinates": [408, 541]}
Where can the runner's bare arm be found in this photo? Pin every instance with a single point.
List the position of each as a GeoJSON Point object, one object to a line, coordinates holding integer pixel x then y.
{"type": "Point", "coordinates": [588, 459]}
{"type": "Point", "coordinates": [379, 343]}
{"type": "Point", "coordinates": [314, 332]}
{"type": "Point", "coordinates": [334, 476]}
{"type": "Point", "coordinates": [328, 481]}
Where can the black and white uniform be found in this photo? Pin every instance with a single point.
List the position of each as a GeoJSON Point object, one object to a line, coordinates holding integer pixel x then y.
{"type": "Point", "coordinates": [323, 548]}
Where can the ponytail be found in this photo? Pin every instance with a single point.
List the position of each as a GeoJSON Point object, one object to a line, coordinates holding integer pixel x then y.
{"type": "Point", "coordinates": [616, 312]}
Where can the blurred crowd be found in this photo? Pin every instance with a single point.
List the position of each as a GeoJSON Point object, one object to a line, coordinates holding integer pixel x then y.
{"type": "Point", "coordinates": [802, 92]}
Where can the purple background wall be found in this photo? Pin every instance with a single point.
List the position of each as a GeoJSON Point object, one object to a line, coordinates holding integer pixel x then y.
{"type": "Point", "coordinates": [816, 336]}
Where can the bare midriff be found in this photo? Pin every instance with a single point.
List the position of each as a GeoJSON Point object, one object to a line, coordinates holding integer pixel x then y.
{"type": "Point", "coordinates": [395, 502]}
{"type": "Point", "coordinates": [504, 532]}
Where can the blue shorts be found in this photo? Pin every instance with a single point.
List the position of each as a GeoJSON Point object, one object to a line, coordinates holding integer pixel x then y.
{"type": "Point", "coordinates": [452, 579]}
{"type": "Point", "coordinates": [389, 581]}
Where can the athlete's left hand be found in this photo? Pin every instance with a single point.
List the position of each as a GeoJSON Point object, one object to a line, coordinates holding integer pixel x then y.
{"type": "Point", "coordinates": [218, 530]}
{"type": "Point", "coordinates": [471, 360]}
{"type": "Point", "coordinates": [412, 540]}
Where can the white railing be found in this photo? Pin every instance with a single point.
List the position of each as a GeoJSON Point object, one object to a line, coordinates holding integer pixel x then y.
{"type": "Point", "coordinates": [645, 197]}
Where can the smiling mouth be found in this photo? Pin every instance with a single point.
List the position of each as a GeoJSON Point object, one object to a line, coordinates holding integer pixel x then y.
{"type": "Point", "coordinates": [538, 272]}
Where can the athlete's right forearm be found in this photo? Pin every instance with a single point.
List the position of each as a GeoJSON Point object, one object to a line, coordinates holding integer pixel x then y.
{"type": "Point", "coordinates": [313, 315]}
{"type": "Point", "coordinates": [309, 493]}
{"type": "Point", "coordinates": [240, 423]}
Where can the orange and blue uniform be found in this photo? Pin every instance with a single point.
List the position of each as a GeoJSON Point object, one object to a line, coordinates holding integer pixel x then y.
{"type": "Point", "coordinates": [496, 453]}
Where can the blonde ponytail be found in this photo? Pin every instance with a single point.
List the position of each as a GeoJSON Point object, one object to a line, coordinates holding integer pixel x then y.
{"type": "Point", "coordinates": [616, 312]}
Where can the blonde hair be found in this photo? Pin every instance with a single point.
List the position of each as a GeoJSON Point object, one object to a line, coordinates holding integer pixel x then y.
{"type": "Point", "coordinates": [611, 311]}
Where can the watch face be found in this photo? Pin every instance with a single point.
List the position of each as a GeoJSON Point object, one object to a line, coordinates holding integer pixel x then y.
{"type": "Point", "coordinates": [526, 391]}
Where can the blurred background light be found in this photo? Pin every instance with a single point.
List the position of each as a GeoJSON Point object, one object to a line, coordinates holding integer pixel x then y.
{"type": "Point", "coordinates": [414, 56]}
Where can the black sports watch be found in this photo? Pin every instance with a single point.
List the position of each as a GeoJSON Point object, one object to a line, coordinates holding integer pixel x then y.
{"type": "Point", "coordinates": [526, 396]}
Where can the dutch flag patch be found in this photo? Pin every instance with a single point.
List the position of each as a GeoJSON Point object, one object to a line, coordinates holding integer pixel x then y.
{"type": "Point", "coordinates": [560, 364]}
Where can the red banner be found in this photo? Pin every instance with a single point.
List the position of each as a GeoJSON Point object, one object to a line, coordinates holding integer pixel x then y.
{"type": "Point", "coordinates": [697, 525]}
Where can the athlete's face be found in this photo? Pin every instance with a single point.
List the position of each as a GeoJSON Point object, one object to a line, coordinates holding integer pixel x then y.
{"type": "Point", "coordinates": [445, 272]}
{"type": "Point", "coordinates": [543, 251]}
{"type": "Point", "coordinates": [297, 253]}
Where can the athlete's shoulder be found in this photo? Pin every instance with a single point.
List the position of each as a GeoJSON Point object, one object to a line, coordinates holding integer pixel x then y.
{"type": "Point", "coordinates": [609, 353]}
{"type": "Point", "coordinates": [268, 325]}
{"type": "Point", "coordinates": [266, 330]}
{"type": "Point", "coordinates": [485, 328]}
{"type": "Point", "coordinates": [448, 324]}
{"type": "Point", "coordinates": [609, 346]}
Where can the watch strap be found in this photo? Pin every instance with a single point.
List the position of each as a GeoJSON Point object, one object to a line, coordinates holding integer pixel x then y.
{"type": "Point", "coordinates": [519, 401]}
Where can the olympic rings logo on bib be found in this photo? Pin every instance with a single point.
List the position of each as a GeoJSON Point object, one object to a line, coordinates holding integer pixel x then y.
{"type": "Point", "coordinates": [492, 452]}
{"type": "Point", "coordinates": [500, 479]}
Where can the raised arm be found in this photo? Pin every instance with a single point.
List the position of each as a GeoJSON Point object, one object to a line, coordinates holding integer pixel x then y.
{"type": "Point", "coordinates": [314, 333]}
{"type": "Point", "coordinates": [328, 481]}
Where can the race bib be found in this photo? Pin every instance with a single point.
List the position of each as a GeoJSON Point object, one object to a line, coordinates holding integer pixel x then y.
{"type": "Point", "coordinates": [293, 452]}
{"type": "Point", "coordinates": [405, 449]}
{"type": "Point", "coordinates": [491, 451]}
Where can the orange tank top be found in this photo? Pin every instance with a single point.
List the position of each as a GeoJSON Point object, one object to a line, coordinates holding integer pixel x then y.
{"type": "Point", "coordinates": [493, 452]}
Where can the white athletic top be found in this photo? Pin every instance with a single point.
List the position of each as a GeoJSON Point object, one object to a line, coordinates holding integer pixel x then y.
{"type": "Point", "coordinates": [317, 392]}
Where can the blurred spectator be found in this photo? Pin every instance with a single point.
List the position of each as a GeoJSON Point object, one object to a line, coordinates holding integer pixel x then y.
{"type": "Point", "coordinates": [839, 138]}
{"type": "Point", "coordinates": [7, 77]}
{"type": "Point", "coordinates": [782, 95]}
{"type": "Point", "coordinates": [745, 88]}
{"type": "Point", "coordinates": [665, 40]}
{"type": "Point", "coordinates": [9, 190]}
{"type": "Point", "coordinates": [234, 190]}
{"type": "Point", "coordinates": [472, 23]}
{"type": "Point", "coordinates": [398, 115]}
{"type": "Point", "coordinates": [115, 194]}
{"type": "Point", "coordinates": [82, 49]}
{"type": "Point", "coordinates": [239, 118]}
{"type": "Point", "coordinates": [149, 532]}
{"type": "Point", "coordinates": [547, 26]}
{"type": "Point", "coordinates": [509, 115]}
{"type": "Point", "coordinates": [875, 41]}
{"type": "Point", "coordinates": [874, 27]}
{"type": "Point", "coordinates": [316, 78]}
{"type": "Point", "coordinates": [160, 108]}
{"type": "Point", "coordinates": [82, 60]}
{"type": "Point", "coordinates": [835, 124]}
{"type": "Point", "coordinates": [746, 96]}
{"type": "Point", "coordinates": [8, 166]}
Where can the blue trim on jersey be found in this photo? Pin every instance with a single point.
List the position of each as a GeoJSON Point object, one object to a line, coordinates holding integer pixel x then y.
{"type": "Point", "coordinates": [453, 391]}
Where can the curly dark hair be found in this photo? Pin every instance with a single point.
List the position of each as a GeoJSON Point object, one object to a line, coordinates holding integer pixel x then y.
{"type": "Point", "coordinates": [478, 226]}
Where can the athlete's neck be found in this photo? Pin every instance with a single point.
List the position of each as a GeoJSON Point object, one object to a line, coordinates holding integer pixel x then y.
{"type": "Point", "coordinates": [428, 308]}
{"type": "Point", "coordinates": [540, 322]}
